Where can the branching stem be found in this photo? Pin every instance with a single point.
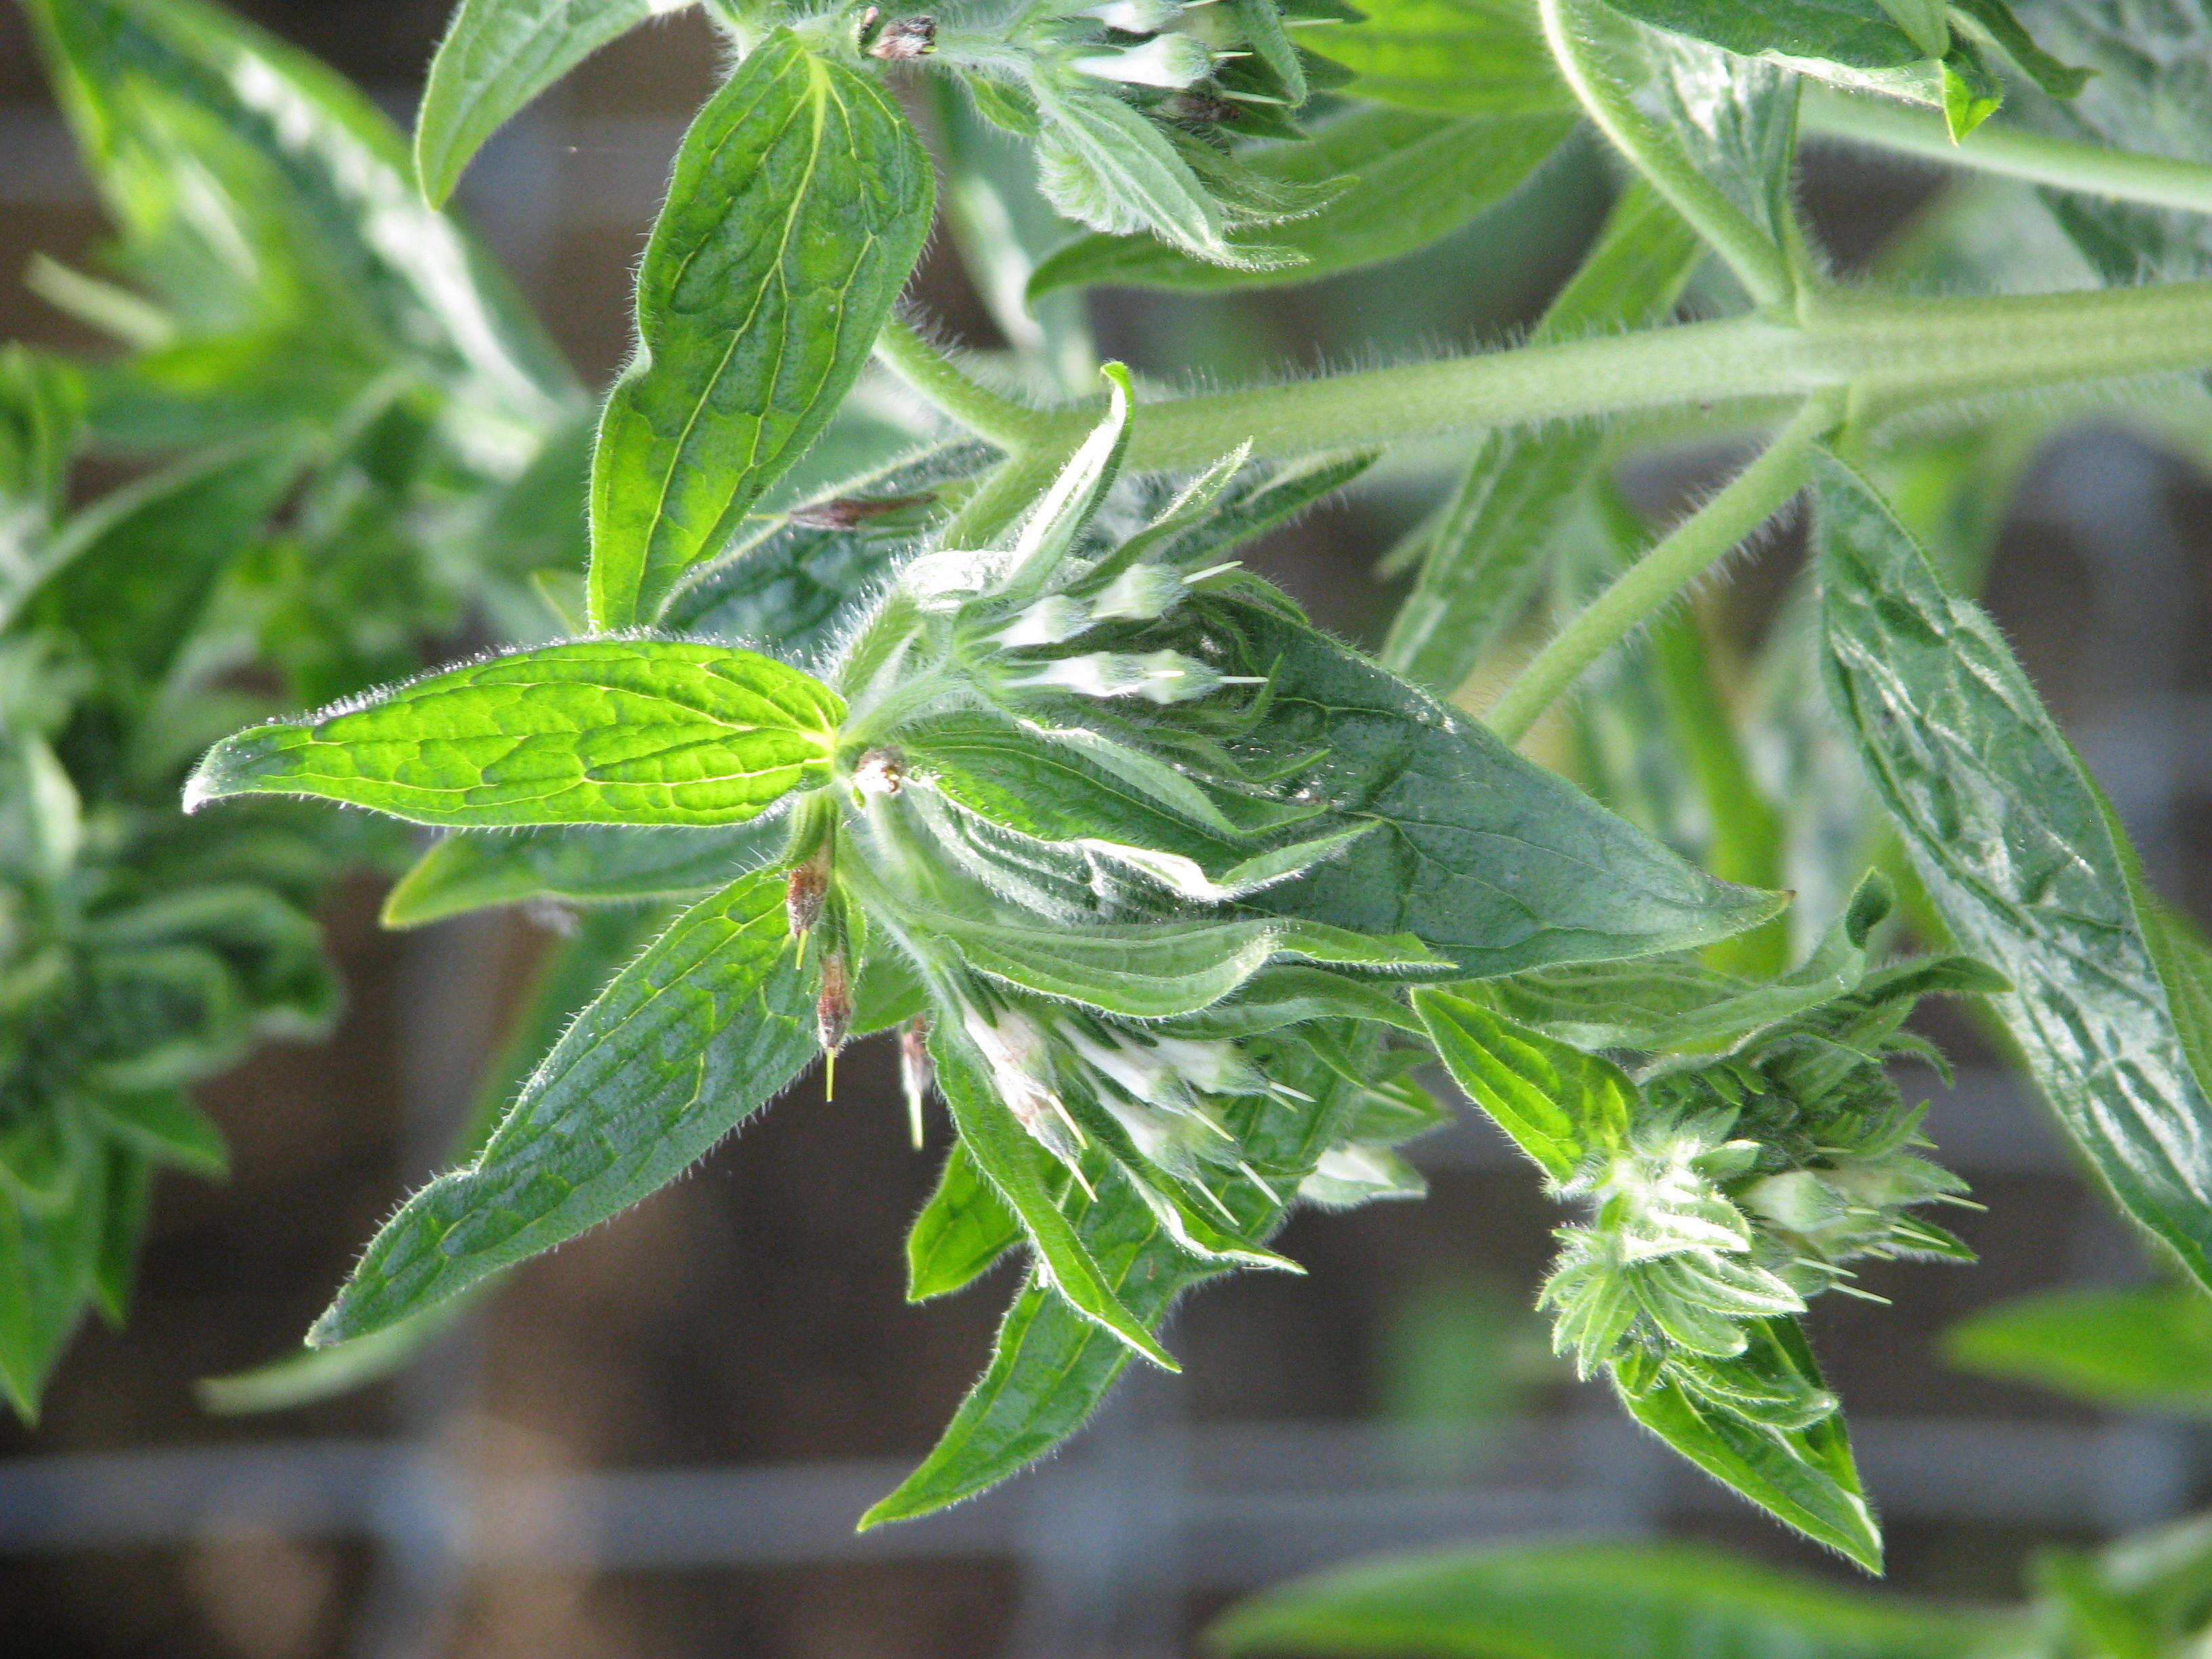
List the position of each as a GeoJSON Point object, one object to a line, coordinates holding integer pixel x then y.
{"type": "Point", "coordinates": [1693, 547]}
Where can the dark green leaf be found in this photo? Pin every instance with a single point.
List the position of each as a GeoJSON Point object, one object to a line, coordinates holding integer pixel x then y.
{"type": "Point", "coordinates": [2145, 1348]}
{"type": "Point", "coordinates": [1805, 1477]}
{"type": "Point", "coordinates": [1401, 181]}
{"type": "Point", "coordinates": [2021, 855]}
{"type": "Point", "coordinates": [128, 1202]}
{"type": "Point", "coordinates": [2059, 80]}
{"type": "Point", "coordinates": [680, 1047]}
{"type": "Point", "coordinates": [1484, 857]}
{"type": "Point", "coordinates": [585, 864]}
{"type": "Point", "coordinates": [963, 1229]}
{"type": "Point", "coordinates": [800, 201]}
{"type": "Point", "coordinates": [1591, 1600]}
{"type": "Point", "coordinates": [597, 732]}
{"type": "Point", "coordinates": [49, 1266]}
{"type": "Point", "coordinates": [497, 56]}
{"type": "Point", "coordinates": [168, 1127]}
{"type": "Point", "coordinates": [1559, 1104]}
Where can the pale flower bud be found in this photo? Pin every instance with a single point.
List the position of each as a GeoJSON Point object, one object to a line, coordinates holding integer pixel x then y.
{"type": "Point", "coordinates": [1135, 16]}
{"type": "Point", "coordinates": [1161, 676]}
{"type": "Point", "coordinates": [1173, 61]}
{"type": "Point", "coordinates": [1056, 617]}
{"type": "Point", "coordinates": [1138, 594]}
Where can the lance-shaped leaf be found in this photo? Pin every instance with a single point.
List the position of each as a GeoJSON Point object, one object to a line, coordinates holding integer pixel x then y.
{"type": "Point", "coordinates": [1455, 57]}
{"type": "Point", "coordinates": [596, 731]}
{"type": "Point", "coordinates": [1806, 1477]}
{"type": "Point", "coordinates": [800, 201]}
{"type": "Point", "coordinates": [1013, 1162]}
{"type": "Point", "coordinates": [2023, 860]}
{"type": "Point", "coordinates": [496, 57]}
{"type": "Point", "coordinates": [1482, 559]}
{"type": "Point", "coordinates": [1593, 1600]}
{"type": "Point", "coordinates": [1484, 856]}
{"type": "Point", "coordinates": [1399, 181]}
{"type": "Point", "coordinates": [49, 1266]}
{"type": "Point", "coordinates": [964, 1229]}
{"type": "Point", "coordinates": [584, 863]}
{"type": "Point", "coordinates": [1559, 1104]}
{"type": "Point", "coordinates": [680, 1047]}
{"type": "Point", "coordinates": [2145, 1347]}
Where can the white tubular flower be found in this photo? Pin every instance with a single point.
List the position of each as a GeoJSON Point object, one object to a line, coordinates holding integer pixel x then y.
{"type": "Point", "coordinates": [1173, 61]}
{"type": "Point", "coordinates": [1056, 617]}
{"type": "Point", "coordinates": [1161, 677]}
{"type": "Point", "coordinates": [1138, 594]}
{"type": "Point", "coordinates": [1211, 1067]}
{"type": "Point", "coordinates": [1135, 16]}
{"type": "Point", "coordinates": [1018, 1052]}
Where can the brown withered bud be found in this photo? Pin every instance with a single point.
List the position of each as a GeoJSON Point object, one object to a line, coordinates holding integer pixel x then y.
{"type": "Point", "coordinates": [1198, 108]}
{"type": "Point", "coordinates": [917, 1072]}
{"type": "Point", "coordinates": [880, 772]}
{"type": "Point", "coordinates": [843, 512]}
{"type": "Point", "coordinates": [905, 38]}
{"type": "Point", "coordinates": [803, 894]}
{"type": "Point", "coordinates": [833, 1008]}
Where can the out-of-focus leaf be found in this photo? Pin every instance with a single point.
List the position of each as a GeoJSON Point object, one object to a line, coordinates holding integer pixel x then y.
{"type": "Point", "coordinates": [599, 732]}
{"type": "Point", "coordinates": [166, 1126]}
{"type": "Point", "coordinates": [497, 56]}
{"type": "Point", "coordinates": [2146, 1347]}
{"type": "Point", "coordinates": [1864, 34]}
{"type": "Point", "coordinates": [1591, 1600]}
{"type": "Point", "coordinates": [1453, 57]}
{"type": "Point", "coordinates": [580, 864]}
{"type": "Point", "coordinates": [800, 201]}
{"type": "Point", "coordinates": [2023, 860]}
{"type": "Point", "coordinates": [681, 1046]}
{"type": "Point", "coordinates": [1484, 856]}
{"type": "Point", "coordinates": [300, 197]}
{"type": "Point", "coordinates": [49, 1266]}
{"type": "Point", "coordinates": [1399, 181]}
{"type": "Point", "coordinates": [1481, 561]}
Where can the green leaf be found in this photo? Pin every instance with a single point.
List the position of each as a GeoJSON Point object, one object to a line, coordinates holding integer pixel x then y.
{"type": "Point", "coordinates": [129, 1203]}
{"type": "Point", "coordinates": [587, 864]}
{"type": "Point", "coordinates": [596, 732]}
{"type": "Point", "coordinates": [1403, 180]}
{"type": "Point", "coordinates": [497, 56]}
{"type": "Point", "coordinates": [964, 1229]}
{"type": "Point", "coordinates": [1484, 856]}
{"type": "Point", "coordinates": [1862, 34]}
{"type": "Point", "coordinates": [1972, 90]}
{"type": "Point", "coordinates": [1557, 1105]}
{"type": "Point", "coordinates": [1996, 18]}
{"type": "Point", "coordinates": [1482, 561]}
{"type": "Point", "coordinates": [49, 1266]}
{"type": "Point", "coordinates": [1805, 1477]}
{"type": "Point", "coordinates": [302, 206]}
{"type": "Point", "coordinates": [680, 1047]}
{"type": "Point", "coordinates": [1103, 164]}
{"type": "Point", "coordinates": [1011, 1162]}
{"type": "Point", "coordinates": [2148, 1348]}
{"type": "Point", "coordinates": [800, 201]}
{"type": "Point", "coordinates": [166, 1126]}
{"type": "Point", "coordinates": [2021, 857]}
{"type": "Point", "coordinates": [1452, 57]}
{"type": "Point", "coordinates": [569, 977]}
{"type": "Point", "coordinates": [1159, 970]}
{"type": "Point", "coordinates": [1591, 1599]}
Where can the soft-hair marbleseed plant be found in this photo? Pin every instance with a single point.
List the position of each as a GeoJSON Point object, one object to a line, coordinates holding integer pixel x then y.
{"type": "Point", "coordinates": [984, 736]}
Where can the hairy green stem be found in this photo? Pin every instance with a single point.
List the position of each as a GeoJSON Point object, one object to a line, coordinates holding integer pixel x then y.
{"type": "Point", "coordinates": [1690, 549]}
{"type": "Point", "coordinates": [2062, 163]}
{"type": "Point", "coordinates": [1760, 264]}
{"type": "Point", "coordinates": [998, 420]}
